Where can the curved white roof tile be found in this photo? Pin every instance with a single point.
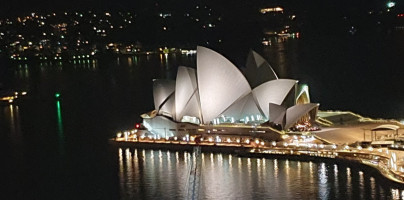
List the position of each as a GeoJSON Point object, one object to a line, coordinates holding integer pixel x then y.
{"type": "Point", "coordinates": [162, 89]}
{"type": "Point", "coordinates": [274, 91]}
{"type": "Point", "coordinates": [277, 114]}
{"type": "Point", "coordinates": [294, 113]}
{"type": "Point", "coordinates": [303, 95]}
{"type": "Point", "coordinates": [186, 97]}
{"type": "Point", "coordinates": [192, 108]}
{"type": "Point", "coordinates": [258, 70]}
{"type": "Point", "coordinates": [168, 107]}
{"type": "Point", "coordinates": [220, 83]}
{"type": "Point", "coordinates": [245, 106]}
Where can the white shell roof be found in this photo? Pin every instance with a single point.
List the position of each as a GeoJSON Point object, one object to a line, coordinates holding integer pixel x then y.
{"type": "Point", "coordinates": [288, 117]}
{"type": "Point", "coordinates": [258, 70]}
{"type": "Point", "coordinates": [277, 114]}
{"type": "Point", "coordinates": [186, 93]}
{"type": "Point", "coordinates": [294, 113]}
{"type": "Point", "coordinates": [162, 89]}
{"type": "Point", "coordinates": [168, 107]}
{"type": "Point", "coordinates": [243, 107]}
{"type": "Point", "coordinates": [220, 83]}
{"type": "Point", "coordinates": [274, 91]}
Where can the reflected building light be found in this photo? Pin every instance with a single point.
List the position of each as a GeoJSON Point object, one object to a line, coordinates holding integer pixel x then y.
{"type": "Point", "coordinates": [239, 164]}
{"type": "Point", "coordinates": [152, 159]}
{"type": "Point", "coordinates": [161, 59]}
{"type": "Point", "coordinates": [220, 157]}
{"type": "Point", "coordinates": [135, 155]}
{"type": "Point", "coordinates": [395, 194]}
{"type": "Point", "coordinates": [311, 170]}
{"type": "Point", "coordinates": [323, 188]}
{"type": "Point", "coordinates": [135, 60]}
{"type": "Point", "coordinates": [361, 184]}
{"type": "Point", "coordinates": [373, 187]}
{"type": "Point", "coordinates": [120, 154]}
{"type": "Point", "coordinates": [212, 163]}
{"type": "Point", "coordinates": [349, 181]}
{"type": "Point", "coordinates": [264, 162]}
{"type": "Point", "coordinates": [249, 167]}
{"type": "Point", "coordinates": [276, 169]}
{"type": "Point", "coordinates": [166, 60]}
{"type": "Point", "coordinates": [169, 159]}
{"type": "Point", "coordinates": [160, 155]}
{"type": "Point", "coordinates": [323, 174]}
{"type": "Point", "coordinates": [127, 154]}
{"type": "Point", "coordinates": [336, 170]}
{"type": "Point", "coordinates": [12, 122]}
{"type": "Point", "coordinates": [121, 167]}
{"type": "Point", "coordinates": [186, 157]}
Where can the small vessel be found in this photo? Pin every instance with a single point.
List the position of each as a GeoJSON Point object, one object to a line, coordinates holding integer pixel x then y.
{"type": "Point", "coordinates": [9, 97]}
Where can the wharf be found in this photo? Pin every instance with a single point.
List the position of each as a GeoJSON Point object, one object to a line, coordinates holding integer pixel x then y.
{"type": "Point", "coordinates": [375, 158]}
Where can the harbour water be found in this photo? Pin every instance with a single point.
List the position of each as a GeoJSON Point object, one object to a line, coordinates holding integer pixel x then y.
{"type": "Point", "coordinates": [57, 148]}
{"type": "Point", "coordinates": [225, 176]}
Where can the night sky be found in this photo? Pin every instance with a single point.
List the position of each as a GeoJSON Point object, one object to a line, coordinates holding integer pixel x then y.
{"type": "Point", "coordinates": [8, 7]}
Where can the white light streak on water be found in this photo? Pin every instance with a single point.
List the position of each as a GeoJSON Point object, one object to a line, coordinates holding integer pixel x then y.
{"type": "Point", "coordinates": [323, 182]}
{"type": "Point", "coordinates": [349, 181]}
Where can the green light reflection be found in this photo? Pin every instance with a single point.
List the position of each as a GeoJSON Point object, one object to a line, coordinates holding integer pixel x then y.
{"type": "Point", "coordinates": [60, 127]}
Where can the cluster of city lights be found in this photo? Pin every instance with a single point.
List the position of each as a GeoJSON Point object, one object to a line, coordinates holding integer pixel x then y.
{"type": "Point", "coordinates": [132, 135]}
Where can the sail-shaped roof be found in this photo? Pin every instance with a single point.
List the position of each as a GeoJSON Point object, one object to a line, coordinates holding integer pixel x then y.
{"type": "Point", "coordinates": [258, 70]}
{"type": "Point", "coordinates": [162, 89]}
{"type": "Point", "coordinates": [167, 108]}
{"type": "Point", "coordinates": [245, 106]}
{"type": "Point", "coordinates": [287, 117]}
{"type": "Point", "coordinates": [294, 113]}
{"type": "Point", "coordinates": [186, 93]}
{"type": "Point", "coordinates": [277, 114]}
{"type": "Point", "coordinates": [274, 91]}
{"type": "Point", "coordinates": [220, 83]}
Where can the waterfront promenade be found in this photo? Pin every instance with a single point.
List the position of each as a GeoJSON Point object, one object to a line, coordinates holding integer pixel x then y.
{"type": "Point", "coordinates": [388, 162]}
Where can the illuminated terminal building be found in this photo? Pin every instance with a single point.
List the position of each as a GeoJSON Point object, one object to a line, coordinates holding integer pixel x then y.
{"type": "Point", "coordinates": [218, 99]}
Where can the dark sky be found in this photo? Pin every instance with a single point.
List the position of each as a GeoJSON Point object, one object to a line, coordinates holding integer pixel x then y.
{"type": "Point", "coordinates": [22, 6]}
{"type": "Point", "coordinates": [27, 5]}
{"type": "Point", "coordinates": [8, 7]}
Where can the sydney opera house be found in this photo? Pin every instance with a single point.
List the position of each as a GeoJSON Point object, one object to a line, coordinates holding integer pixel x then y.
{"type": "Point", "coordinates": [217, 98]}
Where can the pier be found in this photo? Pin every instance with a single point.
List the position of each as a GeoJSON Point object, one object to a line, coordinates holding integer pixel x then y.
{"type": "Point", "coordinates": [385, 159]}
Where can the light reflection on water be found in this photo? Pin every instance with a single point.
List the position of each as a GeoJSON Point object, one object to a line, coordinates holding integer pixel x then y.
{"type": "Point", "coordinates": [143, 176]}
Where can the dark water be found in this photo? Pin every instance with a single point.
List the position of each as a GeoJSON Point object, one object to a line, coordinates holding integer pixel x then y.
{"type": "Point", "coordinates": [360, 74]}
{"type": "Point", "coordinates": [158, 174]}
{"type": "Point", "coordinates": [58, 149]}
